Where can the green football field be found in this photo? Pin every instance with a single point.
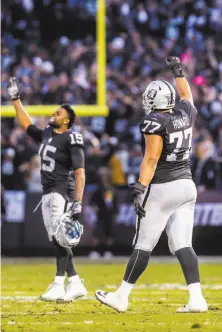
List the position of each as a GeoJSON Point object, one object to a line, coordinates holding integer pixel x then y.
{"type": "Point", "coordinates": [159, 292]}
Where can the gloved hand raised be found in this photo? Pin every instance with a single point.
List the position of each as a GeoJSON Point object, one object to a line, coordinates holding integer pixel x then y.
{"type": "Point", "coordinates": [173, 63]}
{"type": "Point", "coordinates": [13, 89]}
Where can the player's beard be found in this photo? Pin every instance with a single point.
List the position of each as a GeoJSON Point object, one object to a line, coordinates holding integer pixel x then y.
{"type": "Point", "coordinates": [53, 124]}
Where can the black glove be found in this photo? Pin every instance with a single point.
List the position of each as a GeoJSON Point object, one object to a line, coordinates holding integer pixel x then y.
{"type": "Point", "coordinates": [174, 64]}
{"type": "Point", "coordinates": [138, 191]}
{"type": "Point", "coordinates": [13, 89]}
{"type": "Point", "coordinates": [75, 210]}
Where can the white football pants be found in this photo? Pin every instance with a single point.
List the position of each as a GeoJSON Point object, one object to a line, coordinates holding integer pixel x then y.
{"type": "Point", "coordinates": [168, 205]}
{"type": "Point", "coordinates": [53, 206]}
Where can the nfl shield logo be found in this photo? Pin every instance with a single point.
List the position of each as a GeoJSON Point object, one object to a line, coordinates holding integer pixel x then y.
{"type": "Point", "coordinates": [152, 94]}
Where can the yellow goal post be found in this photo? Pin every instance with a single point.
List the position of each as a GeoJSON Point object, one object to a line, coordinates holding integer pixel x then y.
{"type": "Point", "coordinates": [99, 109]}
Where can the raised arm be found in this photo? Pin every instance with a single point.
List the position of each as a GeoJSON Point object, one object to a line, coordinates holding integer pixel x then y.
{"type": "Point", "coordinates": [182, 85]}
{"type": "Point", "coordinates": [14, 93]}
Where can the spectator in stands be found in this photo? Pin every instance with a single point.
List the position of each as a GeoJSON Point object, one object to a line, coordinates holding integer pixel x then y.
{"type": "Point", "coordinates": [9, 169]}
{"type": "Point", "coordinates": [3, 206]}
{"type": "Point", "coordinates": [105, 204]}
{"type": "Point", "coordinates": [207, 168]}
{"type": "Point", "coordinates": [61, 65]}
{"type": "Point", "coordinates": [32, 176]}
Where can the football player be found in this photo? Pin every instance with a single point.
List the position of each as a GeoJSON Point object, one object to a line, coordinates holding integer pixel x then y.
{"type": "Point", "coordinates": [165, 194]}
{"type": "Point", "coordinates": [61, 153]}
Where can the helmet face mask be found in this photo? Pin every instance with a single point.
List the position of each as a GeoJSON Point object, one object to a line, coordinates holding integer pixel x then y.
{"type": "Point", "coordinates": [148, 104]}
{"type": "Point", "coordinates": [159, 95]}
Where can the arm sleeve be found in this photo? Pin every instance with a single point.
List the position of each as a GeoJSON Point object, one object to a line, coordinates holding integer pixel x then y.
{"type": "Point", "coordinates": [76, 150]}
{"type": "Point", "coordinates": [77, 157]}
{"type": "Point", "coordinates": [35, 133]}
{"type": "Point", "coordinates": [152, 124]}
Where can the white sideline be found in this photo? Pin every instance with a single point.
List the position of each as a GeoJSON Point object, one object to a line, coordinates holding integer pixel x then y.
{"type": "Point", "coordinates": [114, 260]}
{"type": "Point", "coordinates": [36, 298]}
{"type": "Point", "coordinates": [54, 323]}
{"type": "Point", "coordinates": [170, 286]}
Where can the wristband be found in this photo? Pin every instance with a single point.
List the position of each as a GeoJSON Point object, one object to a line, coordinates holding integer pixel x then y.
{"type": "Point", "coordinates": [138, 188]}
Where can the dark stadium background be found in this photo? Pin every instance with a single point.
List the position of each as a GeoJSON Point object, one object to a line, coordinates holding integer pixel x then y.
{"type": "Point", "coordinates": [50, 46]}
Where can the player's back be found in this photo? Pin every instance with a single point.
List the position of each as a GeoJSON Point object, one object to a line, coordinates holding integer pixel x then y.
{"type": "Point", "coordinates": [175, 127]}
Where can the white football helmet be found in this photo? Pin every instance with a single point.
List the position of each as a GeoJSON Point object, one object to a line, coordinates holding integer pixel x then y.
{"type": "Point", "coordinates": [68, 232]}
{"type": "Point", "coordinates": [159, 95]}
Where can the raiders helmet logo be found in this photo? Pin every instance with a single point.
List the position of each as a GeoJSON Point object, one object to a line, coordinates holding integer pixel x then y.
{"type": "Point", "coordinates": [168, 100]}
{"type": "Point", "coordinates": [152, 94]}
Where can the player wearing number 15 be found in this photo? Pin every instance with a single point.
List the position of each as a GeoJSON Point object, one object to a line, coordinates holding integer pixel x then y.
{"type": "Point", "coordinates": [61, 153]}
{"type": "Point", "coordinates": [165, 195]}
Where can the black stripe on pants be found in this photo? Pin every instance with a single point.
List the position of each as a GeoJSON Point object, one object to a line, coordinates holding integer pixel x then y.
{"type": "Point", "coordinates": [138, 224]}
{"type": "Point", "coordinates": [65, 207]}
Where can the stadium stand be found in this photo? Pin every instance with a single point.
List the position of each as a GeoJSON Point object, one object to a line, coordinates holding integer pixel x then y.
{"type": "Point", "coordinates": [58, 64]}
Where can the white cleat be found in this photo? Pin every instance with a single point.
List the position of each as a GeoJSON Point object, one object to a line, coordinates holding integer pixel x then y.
{"type": "Point", "coordinates": [112, 300]}
{"type": "Point", "coordinates": [74, 290]}
{"type": "Point", "coordinates": [194, 306]}
{"type": "Point", "coordinates": [94, 255]}
{"type": "Point", "coordinates": [108, 255]}
{"type": "Point", "coordinates": [55, 292]}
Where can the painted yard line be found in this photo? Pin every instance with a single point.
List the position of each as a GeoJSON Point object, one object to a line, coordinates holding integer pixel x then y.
{"type": "Point", "coordinates": [23, 313]}
{"type": "Point", "coordinates": [168, 286]}
{"type": "Point", "coordinates": [9, 315]}
{"type": "Point", "coordinates": [37, 299]}
{"type": "Point", "coordinates": [54, 323]}
{"type": "Point", "coordinates": [91, 322]}
{"type": "Point", "coordinates": [138, 289]}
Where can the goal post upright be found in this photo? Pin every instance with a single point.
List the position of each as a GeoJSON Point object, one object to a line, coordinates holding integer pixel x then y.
{"type": "Point", "coordinates": [101, 52]}
{"type": "Point", "coordinates": [99, 109]}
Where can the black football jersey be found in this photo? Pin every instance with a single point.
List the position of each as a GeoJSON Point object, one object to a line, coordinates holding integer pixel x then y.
{"type": "Point", "coordinates": [176, 130]}
{"type": "Point", "coordinates": [61, 154]}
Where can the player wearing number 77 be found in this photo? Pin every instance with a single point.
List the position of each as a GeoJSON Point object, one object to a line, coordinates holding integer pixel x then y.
{"type": "Point", "coordinates": [165, 195]}
{"type": "Point", "coordinates": [61, 153]}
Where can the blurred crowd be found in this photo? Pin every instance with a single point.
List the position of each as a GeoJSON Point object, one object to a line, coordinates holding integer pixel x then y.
{"type": "Point", "coordinates": [50, 47]}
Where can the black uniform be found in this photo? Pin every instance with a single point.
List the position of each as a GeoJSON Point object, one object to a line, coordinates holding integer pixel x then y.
{"type": "Point", "coordinates": [176, 130]}
{"type": "Point", "coordinates": [60, 155]}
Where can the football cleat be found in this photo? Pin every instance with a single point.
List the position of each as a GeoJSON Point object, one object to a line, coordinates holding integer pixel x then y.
{"type": "Point", "coordinates": [94, 255]}
{"type": "Point", "coordinates": [74, 290]}
{"type": "Point", "coordinates": [113, 300]}
{"type": "Point", "coordinates": [107, 255]}
{"type": "Point", "coordinates": [55, 292]}
{"type": "Point", "coordinates": [199, 305]}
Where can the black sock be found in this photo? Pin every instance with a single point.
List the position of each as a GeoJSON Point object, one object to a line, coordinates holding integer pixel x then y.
{"type": "Point", "coordinates": [62, 258]}
{"type": "Point", "coordinates": [70, 267]}
{"type": "Point", "coordinates": [136, 265]}
{"type": "Point", "coordinates": [189, 264]}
